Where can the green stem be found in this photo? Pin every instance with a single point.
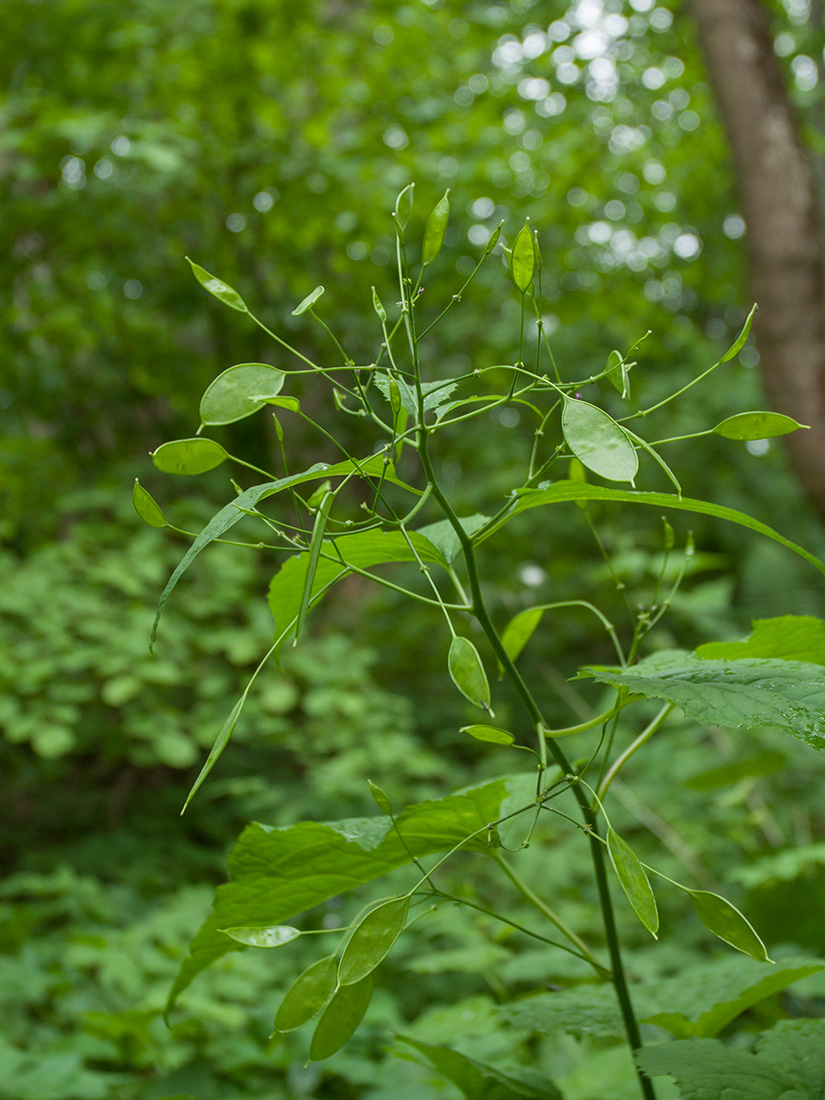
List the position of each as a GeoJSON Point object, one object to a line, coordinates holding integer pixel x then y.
{"type": "Point", "coordinates": [644, 736]}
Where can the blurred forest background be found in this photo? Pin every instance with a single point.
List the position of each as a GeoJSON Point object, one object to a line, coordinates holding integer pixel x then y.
{"type": "Point", "coordinates": [267, 140]}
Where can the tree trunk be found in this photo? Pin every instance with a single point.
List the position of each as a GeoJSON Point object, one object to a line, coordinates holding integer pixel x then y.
{"type": "Point", "coordinates": [779, 203]}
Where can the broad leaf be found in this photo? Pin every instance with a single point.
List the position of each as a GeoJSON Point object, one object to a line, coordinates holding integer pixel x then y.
{"type": "Point", "coordinates": [786, 695]}
{"type": "Point", "coordinates": [634, 881]}
{"type": "Point", "coordinates": [307, 995]}
{"type": "Point", "coordinates": [276, 936]}
{"type": "Point", "coordinates": [372, 940]}
{"type": "Point", "coordinates": [277, 873]}
{"type": "Point", "coordinates": [757, 425]}
{"type": "Point", "coordinates": [725, 921]}
{"type": "Point", "coordinates": [467, 672]}
{"type": "Point", "coordinates": [222, 291]}
{"type": "Point", "coordinates": [598, 442]}
{"type": "Point", "coordinates": [340, 1019]}
{"type": "Point", "coordinates": [147, 507]}
{"type": "Point", "coordinates": [786, 638]}
{"type": "Point", "coordinates": [788, 1064]}
{"type": "Point", "coordinates": [189, 456]}
{"type": "Point", "coordinates": [489, 733]}
{"type": "Point", "coordinates": [239, 392]}
{"type": "Point", "coordinates": [477, 1081]}
{"type": "Point", "coordinates": [574, 491]}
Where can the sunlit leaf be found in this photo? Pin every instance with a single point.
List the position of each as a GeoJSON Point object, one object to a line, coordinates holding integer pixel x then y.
{"type": "Point", "coordinates": [372, 940]}
{"type": "Point", "coordinates": [435, 229]}
{"type": "Point", "coordinates": [757, 425]}
{"type": "Point", "coordinates": [340, 1019]}
{"type": "Point", "coordinates": [786, 638]}
{"type": "Point", "coordinates": [147, 507]}
{"type": "Point", "coordinates": [599, 443]}
{"type": "Point", "coordinates": [308, 302]}
{"type": "Point", "coordinates": [467, 672]}
{"type": "Point", "coordinates": [492, 734]}
{"type": "Point", "coordinates": [264, 937]}
{"type": "Point", "coordinates": [634, 881]}
{"type": "Point", "coordinates": [239, 392]}
{"type": "Point", "coordinates": [725, 921]}
{"type": "Point", "coordinates": [189, 456]}
{"type": "Point", "coordinates": [218, 288]}
{"type": "Point", "coordinates": [307, 995]}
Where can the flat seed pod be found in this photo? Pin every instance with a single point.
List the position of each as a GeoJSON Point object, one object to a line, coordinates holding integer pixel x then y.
{"type": "Point", "coordinates": [307, 995]}
{"type": "Point", "coordinates": [634, 881]}
{"type": "Point", "coordinates": [467, 672]}
{"type": "Point", "coordinates": [189, 456]}
{"type": "Point", "coordinates": [435, 229]}
{"type": "Point", "coordinates": [147, 507]}
{"type": "Point", "coordinates": [492, 734]}
{"type": "Point", "coordinates": [757, 425]}
{"type": "Point", "coordinates": [276, 936]}
{"type": "Point", "coordinates": [341, 1018]}
{"type": "Point", "coordinates": [290, 403]}
{"type": "Point", "coordinates": [740, 340]}
{"type": "Point", "coordinates": [308, 302]}
{"type": "Point", "coordinates": [725, 921]}
{"type": "Point", "coordinates": [372, 940]}
{"type": "Point", "coordinates": [598, 442]}
{"type": "Point", "coordinates": [523, 258]}
{"type": "Point", "coordinates": [239, 392]}
{"type": "Point", "coordinates": [219, 289]}
{"type": "Point", "coordinates": [403, 205]}
{"type": "Point", "coordinates": [381, 798]}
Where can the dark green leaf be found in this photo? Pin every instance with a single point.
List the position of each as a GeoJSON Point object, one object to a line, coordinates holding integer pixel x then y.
{"type": "Point", "coordinates": [372, 940]}
{"type": "Point", "coordinates": [340, 1019]}
{"type": "Point", "coordinates": [599, 443]}
{"type": "Point", "coordinates": [467, 672]}
{"type": "Point", "coordinates": [786, 638]}
{"type": "Point", "coordinates": [239, 392]}
{"type": "Point", "coordinates": [725, 921]}
{"type": "Point", "coordinates": [435, 229]}
{"type": "Point", "coordinates": [307, 995]}
{"type": "Point", "coordinates": [489, 733]}
{"type": "Point", "coordinates": [478, 1081]}
{"type": "Point", "coordinates": [634, 881]}
{"type": "Point", "coordinates": [146, 507]}
{"type": "Point", "coordinates": [219, 289]}
{"type": "Point", "coordinates": [275, 936]}
{"type": "Point", "coordinates": [523, 258]}
{"type": "Point", "coordinates": [768, 762]}
{"type": "Point", "coordinates": [189, 456]}
{"type": "Point", "coordinates": [308, 302]}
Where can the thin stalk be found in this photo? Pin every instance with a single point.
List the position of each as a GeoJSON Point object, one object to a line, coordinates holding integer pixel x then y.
{"type": "Point", "coordinates": [644, 736]}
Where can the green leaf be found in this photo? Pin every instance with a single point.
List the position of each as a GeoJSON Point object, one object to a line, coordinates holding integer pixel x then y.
{"type": "Point", "coordinates": [315, 544]}
{"type": "Point", "coordinates": [523, 258]}
{"type": "Point", "coordinates": [380, 798]}
{"type": "Point", "coordinates": [757, 425]}
{"type": "Point", "coordinates": [467, 672]}
{"type": "Point", "coordinates": [614, 373]}
{"type": "Point", "coordinates": [520, 630]}
{"type": "Point", "coordinates": [634, 881]}
{"type": "Point", "coordinates": [598, 442]}
{"type": "Point", "coordinates": [218, 289]}
{"type": "Point", "coordinates": [362, 550]}
{"type": "Point", "coordinates": [586, 1011]}
{"type": "Point", "coordinates": [435, 229]}
{"type": "Point", "coordinates": [444, 538]}
{"type": "Point", "coordinates": [147, 507]}
{"type": "Point", "coordinates": [372, 940]}
{"type": "Point", "coordinates": [308, 302]}
{"type": "Point", "coordinates": [239, 392]}
{"type": "Point", "coordinates": [786, 638]}
{"type": "Point", "coordinates": [436, 393]}
{"type": "Point", "coordinates": [788, 1064]}
{"type": "Point", "coordinates": [768, 762]}
{"type": "Point", "coordinates": [787, 695]}
{"type": "Point", "coordinates": [276, 873]}
{"type": "Point", "coordinates": [292, 404]}
{"type": "Point", "coordinates": [276, 936]}
{"type": "Point", "coordinates": [221, 741]}
{"type": "Point", "coordinates": [478, 1081]}
{"type": "Point", "coordinates": [725, 921]}
{"type": "Point", "coordinates": [739, 342]}
{"type": "Point", "coordinates": [492, 734]}
{"type": "Point", "coordinates": [189, 456]}
{"type": "Point", "coordinates": [340, 1019]}
{"type": "Point", "coordinates": [571, 490]}
{"type": "Point", "coordinates": [403, 205]}
{"type": "Point", "coordinates": [307, 995]}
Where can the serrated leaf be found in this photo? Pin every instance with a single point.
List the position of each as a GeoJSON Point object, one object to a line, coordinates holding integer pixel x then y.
{"type": "Point", "coordinates": [598, 442]}
{"type": "Point", "coordinates": [308, 302]}
{"type": "Point", "coordinates": [435, 229]}
{"type": "Point", "coordinates": [492, 734]}
{"type": "Point", "coordinates": [786, 638]}
{"type": "Point", "coordinates": [787, 695]}
{"type": "Point", "coordinates": [739, 342]}
{"type": "Point", "coordinates": [757, 425]}
{"type": "Point", "coordinates": [373, 940]}
{"type": "Point", "coordinates": [239, 392]}
{"type": "Point", "coordinates": [340, 1019]}
{"type": "Point", "coordinates": [634, 881]}
{"type": "Point", "coordinates": [725, 921]}
{"type": "Point", "coordinates": [573, 491]}
{"type": "Point", "coordinates": [478, 1081]}
{"type": "Point", "coordinates": [523, 258]}
{"type": "Point", "coordinates": [189, 456]}
{"type": "Point", "coordinates": [275, 936]}
{"type": "Point", "coordinates": [467, 672]}
{"type": "Point", "coordinates": [788, 1064]}
{"type": "Point", "coordinates": [147, 507]}
{"type": "Point", "coordinates": [307, 995]}
{"type": "Point", "coordinates": [219, 289]}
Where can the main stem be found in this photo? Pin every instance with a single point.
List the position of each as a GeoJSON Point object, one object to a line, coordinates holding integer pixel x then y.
{"type": "Point", "coordinates": [588, 812]}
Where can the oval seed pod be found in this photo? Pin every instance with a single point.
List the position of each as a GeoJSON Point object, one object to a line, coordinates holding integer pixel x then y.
{"type": "Point", "coordinates": [523, 258]}
{"type": "Point", "coordinates": [147, 507]}
{"type": "Point", "coordinates": [341, 1018]}
{"type": "Point", "coordinates": [218, 289]}
{"type": "Point", "coordinates": [307, 995]}
{"type": "Point", "coordinates": [634, 881]}
{"type": "Point", "coordinates": [492, 734]}
{"type": "Point", "coordinates": [189, 456]}
{"type": "Point", "coordinates": [275, 936]}
{"type": "Point", "coordinates": [239, 392]}
{"type": "Point", "coordinates": [493, 239]}
{"type": "Point", "coordinates": [308, 302]}
{"type": "Point", "coordinates": [757, 425]}
{"type": "Point", "coordinates": [381, 799]}
{"type": "Point", "coordinates": [372, 940]}
{"type": "Point", "coordinates": [403, 204]}
{"type": "Point", "coordinates": [725, 921]}
{"type": "Point", "coordinates": [376, 305]}
{"type": "Point", "coordinates": [467, 672]}
{"type": "Point", "coordinates": [435, 230]}
{"type": "Point", "coordinates": [395, 397]}
{"type": "Point", "coordinates": [599, 443]}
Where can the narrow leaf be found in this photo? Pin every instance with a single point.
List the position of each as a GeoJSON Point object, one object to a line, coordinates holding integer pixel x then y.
{"type": "Point", "coordinates": [307, 995]}
{"type": "Point", "coordinates": [315, 544]}
{"type": "Point", "coordinates": [467, 672]}
{"type": "Point", "coordinates": [218, 289]}
{"type": "Point", "coordinates": [308, 302]}
{"type": "Point", "coordinates": [239, 392]}
{"type": "Point", "coordinates": [264, 937]}
{"type": "Point", "coordinates": [757, 425]}
{"type": "Point", "coordinates": [492, 734]}
{"type": "Point", "coordinates": [435, 229]}
{"type": "Point", "coordinates": [739, 342]}
{"type": "Point", "coordinates": [221, 741]}
{"type": "Point", "coordinates": [403, 204]}
{"type": "Point", "coordinates": [340, 1019]}
{"type": "Point", "coordinates": [147, 507]}
{"type": "Point", "coordinates": [725, 921]}
{"type": "Point", "coordinates": [633, 881]}
{"type": "Point", "coordinates": [372, 940]}
{"type": "Point", "coordinates": [599, 443]}
{"type": "Point", "coordinates": [523, 258]}
{"type": "Point", "coordinates": [189, 456]}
